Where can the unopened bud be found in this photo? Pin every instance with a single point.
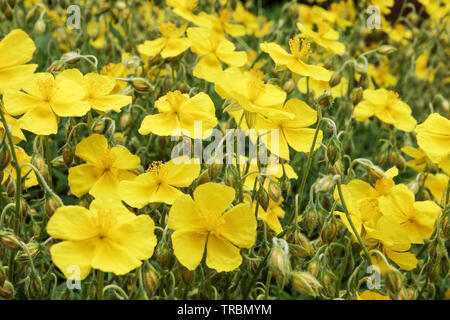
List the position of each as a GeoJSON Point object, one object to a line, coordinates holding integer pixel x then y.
{"type": "Point", "coordinates": [29, 250]}
{"type": "Point", "coordinates": [39, 27]}
{"type": "Point", "coordinates": [289, 86]}
{"type": "Point", "coordinates": [7, 291]}
{"type": "Point", "coordinates": [357, 95]}
{"type": "Point", "coordinates": [279, 261]}
{"type": "Point", "coordinates": [394, 282]}
{"type": "Point", "coordinates": [325, 100]}
{"type": "Point", "coordinates": [141, 85]}
{"type": "Point", "coordinates": [329, 230]}
{"type": "Point", "coordinates": [33, 287]}
{"type": "Point", "coordinates": [52, 203]}
{"type": "Point", "coordinates": [274, 191]}
{"type": "Point", "coordinates": [306, 283]}
{"type": "Point", "coordinates": [125, 120]}
{"type": "Point", "coordinates": [263, 198]}
{"type": "Point", "coordinates": [10, 240]}
{"type": "Point", "coordinates": [68, 155]}
{"type": "Point", "coordinates": [5, 157]}
{"type": "Point", "coordinates": [386, 49]}
{"type": "Point", "coordinates": [151, 279]}
{"type": "Point", "coordinates": [335, 79]}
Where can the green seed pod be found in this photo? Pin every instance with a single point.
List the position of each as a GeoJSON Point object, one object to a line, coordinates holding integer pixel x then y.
{"type": "Point", "coordinates": [306, 283]}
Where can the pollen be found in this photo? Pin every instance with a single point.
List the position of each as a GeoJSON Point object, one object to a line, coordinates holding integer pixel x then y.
{"type": "Point", "coordinates": [300, 52]}
{"type": "Point", "coordinates": [155, 167]}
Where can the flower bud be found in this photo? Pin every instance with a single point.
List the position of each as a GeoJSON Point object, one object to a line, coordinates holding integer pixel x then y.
{"type": "Point", "coordinates": [10, 240]}
{"type": "Point", "coordinates": [329, 280]}
{"type": "Point", "coordinates": [263, 198]}
{"type": "Point", "coordinates": [289, 86]}
{"type": "Point", "coordinates": [7, 291]}
{"type": "Point", "coordinates": [306, 283]}
{"type": "Point", "coordinates": [125, 120]}
{"type": "Point", "coordinates": [274, 191]}
{"type": "Point", "coordinates": [325, 100]}
{"type": "Point", "coordinates": [5, 157]}
{"type": "Point", "coordinates": [163, 255]}
{"type": "Point", "coordinates": [141, 85]}
{"type": "Point", "coordinates": [151, 279]}
{"type": "Point", "coordinates": [306, 248]}
{"type": "Point", "coordinates": [333, 153]}
{"type": "Point", "coordinates": [394, 282]}
{"type": "Point", "coordinates": [279, 261]}
{"type": "Point", "coordinates": [58, 162]}
{"type": "Point", "coordinates": [52, 203]}
{"type": "Point", "coordinates": [407, 294]}
{"type": "Point", "coordinates": [386, 49]}
{"type": "Point", "coordinates": [39, 27]}
{"type": "Point", "coordinates": [68, 155]}
{"type": "Point", "coordinates": [56, 67]}
{"type": "Point", "coordinates": [2, 275]}
{"type": "Point", "coordinates": [324, 184]}
{"type": "Point", "coordinates": [310, 219]}
{"type": "Point", "coordinates": [31, 250]}
{"type": "Point", "coordinates": [187, 275]}
{"type": "Point", "coordinates": [329, 230]}
{"type": "Point", "coordinates": [335, 79]}
{"type": "Point", "coordinates": [98, 126]}
{"type": "Point", "coordinates": [357, 95]}
{"type": "Point", "coordinates": [38, 161]}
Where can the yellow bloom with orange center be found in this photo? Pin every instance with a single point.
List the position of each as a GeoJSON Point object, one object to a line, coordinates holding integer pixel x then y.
{"type": "Point", "coordinates": [387, 107]}
{"type": "Point", "coordinates": [98, 90]}
{"type": "Point", "coordinates": [179, 115]}
{"type": "Point", "coordinates": [170, 45]}
{"type": "Point", "coordinates": [325, 37]}
{"type": "Point", "coordinates": [291, 132]}
{"type": "Point", "coordinates": [252, 95]}
{"type": "Point", "coordinates": [16, 49]}
{"type": "Point", "coordinates": [104, 168]}
{"type": "Point", "coordinates": [205, 222]}
{"type": "Point", "coordinates": [44, 100]}
{"type": "Point", "coordinates": [296, 61]}
{"type": "Point", "coordinates": [107, 237]}
{"type": "Point", "coordinates": [212, 49]}
{"type": "Point", "coordinates": [159, 183]}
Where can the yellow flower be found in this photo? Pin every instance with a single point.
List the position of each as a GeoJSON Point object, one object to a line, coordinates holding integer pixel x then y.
{"type": "Point", "coordinates": [43, 100]}
{"type": "Point", "coordinates": [345, 13]}
{"type": "Point", "coordinates": [159, 183]}
{"type": "Point", "coordinates": [14, 127]}
{"type": "Point", "coordinates": [325, 36]}
{"type": "Point", "coordinates": [420, 159]}
{"type": "Point", "coordinates": [184, 8]}
{"type": "Point", "coordinates": [201, 222]}
{"type": "Point", "coordinates": [170, 45]}
{"type": "Point", "coordinates": [272, 215]}
{"type": "Point", "coordinates": [290, 132]}
{"type": "Point", "coordinates": [417, 218]}
{"type": "Point", "coordinates": [252, 94]}
{"type": "Point", "coordinates": [437, 184]}
{"type": "Point", "coordinates": [296, 61]}
{"type": "Point", "coordinates": [106, 237]}
{"type": "Point", "coordinates": [257, 26]}
{"type": "Point", "coordinates": [400, 33]}
{"type": "Point", "coordinates": [371, 295]}
{"type": "Point", "coordinates": [220, 24]}
{"type": "Point", "coordinates": [103, 170]}
{"type": "Point", "coordinates": [387, 107]}
{"type": "Point", "coordinates": [381, 75]}
{"type": "Point", "coordinates": [117, 70]}
{"type": "Point", "coordinates": [394, 240]}
{"type": "Point", "coordinates": [422, 71]}
{"type": "Point", "coordinates": [433, 137]}
{"type": "Point", "coordinates": [177, 115]}
{"type": "Point", "coordinates": [16, 49]}
{"type": "Point", "coordinates": [22, 157]}
{"type": "Point", "coordinates": [383, 5]}
{"type": "Point", "coordinates": [98, 90]}
{"type": "Point", "coordinates": [211, 50]}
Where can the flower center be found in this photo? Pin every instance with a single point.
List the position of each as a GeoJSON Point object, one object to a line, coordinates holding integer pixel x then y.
{"type": "Point", "coordinates": [212, 221]}
{"type": "Point", "coordinates": [299, 52]}
{"type": "Point", "coordinates": [107, 159]}
{"type": "Point", "coordinates": [155, 167]}
{"type": "Point", "coordinates": [255, 85]}
{"type": "Point", "coordinates": [167, 29]}
{"type": "Point", "coordinates": [105, 220]}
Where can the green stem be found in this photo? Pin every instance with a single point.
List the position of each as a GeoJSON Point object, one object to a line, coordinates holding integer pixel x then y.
{"type": "Point", "coordinates": [310, 157]}
{"type": "Point", "coordinates": [356, 233]}
{"type": "Point", "coordinates": [100, 284]}
{"type": "Point", "coordinates": [49, 161]}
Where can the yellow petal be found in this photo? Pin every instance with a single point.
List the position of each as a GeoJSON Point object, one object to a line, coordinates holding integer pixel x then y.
{"type": "Point", "coordinates": [41, 121]}
{"type": "Point", "coordinates": [124, 159]}
{"type": "Point", "coordinates": [213, 197]}
{"type": "Point", "coordinates": [184, 214]}
{"type": "Point", "coordinates": [188, 247]}
{"type": "Point", "coordinates": [92, 148]}
{"type": "Point", "coordinates": [74, 258]}
{"type": "Point", "coordinates": [82, 178]}
{"type": "Point", "coordinates": [71, 223]}
{"type": "Point", "coordinates": [221, 254]}
{"type": "Point", "coordinates": [239, 226]}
